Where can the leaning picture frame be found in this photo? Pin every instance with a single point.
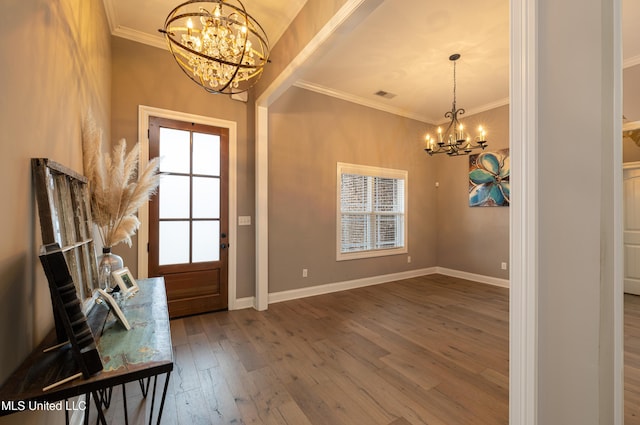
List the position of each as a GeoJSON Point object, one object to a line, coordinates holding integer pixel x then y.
{"type": "Point", "coordinates": [125, 281]}
{"type": "Point", "coordinates": [111, 303]}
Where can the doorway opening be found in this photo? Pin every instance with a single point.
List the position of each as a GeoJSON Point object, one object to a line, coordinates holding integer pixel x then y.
{"type": "Point", "coordinates": [188, 218]}
{"type": "Point", "coordinates": [144, 116]}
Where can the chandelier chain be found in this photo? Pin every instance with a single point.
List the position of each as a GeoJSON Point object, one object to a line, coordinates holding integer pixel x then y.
{"type": "Point", "coordinates": [454, 85]}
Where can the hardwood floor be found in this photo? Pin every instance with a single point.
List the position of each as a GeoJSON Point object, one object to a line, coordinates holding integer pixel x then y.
{"type": "Point", "coordinates": [429, 350]}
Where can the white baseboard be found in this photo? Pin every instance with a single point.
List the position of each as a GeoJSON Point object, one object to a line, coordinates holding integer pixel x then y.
{"type": "Point", "coordinates": [328, 288]}
{"type": "Point", "coordinates": [632, 286]}
{"type": "Point", "coordinates": [276, 297]}
{"type": "Point", "coordinates": [242, 303]}
{"type": "Point", "coordinates": [474, 277]}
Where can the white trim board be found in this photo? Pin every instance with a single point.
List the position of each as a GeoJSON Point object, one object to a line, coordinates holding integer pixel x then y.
{"type": "Point", "coordinates": [306, 85]}
{"type": "Point", "coordinates": [523, 219]}
{"type": "Point", "coordinates": [488, 280]}
{"type": "Point", "coordinates": [329, 288]}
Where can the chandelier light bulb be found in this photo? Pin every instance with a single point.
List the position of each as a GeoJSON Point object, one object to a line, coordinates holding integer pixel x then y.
{"type": "Point", "coordinates": [226, 53]}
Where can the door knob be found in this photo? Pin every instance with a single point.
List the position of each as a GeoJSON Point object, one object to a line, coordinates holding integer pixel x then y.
{"type": "Point", "coordinates": [223, 245]}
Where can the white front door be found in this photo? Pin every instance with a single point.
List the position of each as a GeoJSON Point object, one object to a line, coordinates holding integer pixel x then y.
{"type": "Point", "coordinates": [631, 178]}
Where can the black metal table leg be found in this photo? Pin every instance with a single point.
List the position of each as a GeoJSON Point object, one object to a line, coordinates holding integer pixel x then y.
{"type": "Point", "coordinates": [145, 389]}
{"type": "Point", "coordinates": [99, 408]}
{"type": "Point", "coordinates": [164, 396]}
{"type": "Point", "coordinates": [153, 398]}
{"type": "Point", "coordinates": [124, 400]}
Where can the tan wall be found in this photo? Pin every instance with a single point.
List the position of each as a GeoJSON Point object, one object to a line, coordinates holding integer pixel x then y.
{"type": "Point", "coordinates": [144, 75]}
{"type": "Point", "coordinates": [55, 67]}
{"type": "Point", "coordinates": [308, 134]}
{"type": "Point", "coordinates": [474, 240]}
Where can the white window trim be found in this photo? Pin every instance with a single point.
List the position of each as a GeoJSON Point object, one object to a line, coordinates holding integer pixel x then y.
{"type": "Point", "coordinates": [365, 170]}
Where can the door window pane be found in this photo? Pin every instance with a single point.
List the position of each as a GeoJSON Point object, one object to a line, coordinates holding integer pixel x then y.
{"type": "Point", "coordinates": [174, 151]}
{"type": "Point", "coordinates": [206, 154]}
{"type": "Point", "coordinates": [206, 197]}
{"type": "Point", "coordinates": [206, 241]}
{"type": "Point", "coordinates": [174, 197]}
{"type": "Point", "coordinates": [174, 242]}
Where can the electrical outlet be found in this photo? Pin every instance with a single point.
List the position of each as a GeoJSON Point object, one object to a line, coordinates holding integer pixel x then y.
{"type": "Point", "coordinates": [408, 258]}
{"type": "Point", "coordinates": [305, 272]}
{"type": "Point", "coordinates": [503, 266]}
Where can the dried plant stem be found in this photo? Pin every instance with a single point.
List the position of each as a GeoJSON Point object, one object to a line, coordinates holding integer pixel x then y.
{"type": "Point", "coordinates": [117, 191]}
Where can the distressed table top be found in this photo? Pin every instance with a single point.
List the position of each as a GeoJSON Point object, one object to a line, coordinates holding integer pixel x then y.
{"type": "Point", "coordinates": [141, 352]}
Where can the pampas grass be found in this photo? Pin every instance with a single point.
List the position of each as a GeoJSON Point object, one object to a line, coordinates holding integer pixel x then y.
{"type": "Point", "coordinates": [117, 189]}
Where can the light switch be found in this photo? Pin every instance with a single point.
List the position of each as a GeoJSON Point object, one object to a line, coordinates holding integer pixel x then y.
{"type": "Point", "coordinates": [244, 220]}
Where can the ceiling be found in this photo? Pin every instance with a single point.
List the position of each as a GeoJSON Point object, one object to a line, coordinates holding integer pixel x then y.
{"type": "Point", "coordinates": [400, 47]}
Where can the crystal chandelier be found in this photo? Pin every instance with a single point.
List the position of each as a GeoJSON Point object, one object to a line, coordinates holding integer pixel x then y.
{"type": "Point", "coordinates": [217, 44]}
{"type": "Point", "coordinates": [454, 140]}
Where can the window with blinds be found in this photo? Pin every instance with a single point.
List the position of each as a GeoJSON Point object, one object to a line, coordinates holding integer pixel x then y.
{"type": "Point", "coordinates": [371, 211]}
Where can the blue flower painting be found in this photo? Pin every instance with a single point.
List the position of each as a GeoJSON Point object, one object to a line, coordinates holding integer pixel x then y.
{"type": "Point", "coordinates": [489, 179]}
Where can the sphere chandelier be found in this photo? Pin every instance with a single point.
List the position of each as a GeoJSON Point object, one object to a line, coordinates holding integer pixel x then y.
{"type": "Point", "coordinates": [217, 44]}
{"type": "Point", "coordinates": [454, 140]}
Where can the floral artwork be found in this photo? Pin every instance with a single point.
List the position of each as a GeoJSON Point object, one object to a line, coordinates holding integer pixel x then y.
{"type": "Point", "coordinates": [489, 179]}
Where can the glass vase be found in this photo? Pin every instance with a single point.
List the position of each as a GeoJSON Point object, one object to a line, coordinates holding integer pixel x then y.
{"type": "Point", "coordinates": [108, 262]}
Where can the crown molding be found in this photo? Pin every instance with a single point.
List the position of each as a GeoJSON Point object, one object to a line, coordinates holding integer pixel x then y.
{"type": "Point", "coordinates": [358, 100]}
{"type": "Point", "coordinates": [110, 11]}
{"type": "Point", "coordinates": [483, 108]}
{"type": "Point", "coordinates": [393, 110]}
{"type": "Point", "coordinates": [129, 33]}
{"type": "Point", "coordinates": [140, 37]}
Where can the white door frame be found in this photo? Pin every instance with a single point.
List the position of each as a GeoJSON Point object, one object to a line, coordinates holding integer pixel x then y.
{"type": "Point", "coordinates": [144, 112]}
{"type": "Point", "coordinates": [523, 227]}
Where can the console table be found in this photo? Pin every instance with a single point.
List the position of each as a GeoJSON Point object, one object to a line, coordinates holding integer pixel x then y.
{"type": "Point", "coordinates": [144, 352]}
